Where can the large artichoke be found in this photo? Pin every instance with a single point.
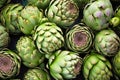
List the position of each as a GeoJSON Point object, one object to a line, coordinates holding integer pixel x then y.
{"type": "Point", "coordinates": [3, 2]}
{"type": "Point", "coordinates": [48, 37]}
{"type": "Point", "coordinates": [9, 16]}
{"type": "Point", "coordinates": [107, 42]}
{"type": "Point", "coordinates": [79, 38]}
{"type": "Point", "coordinates": [28, 52]}
{"type": "Point", "coordinates": [10, 64]}
{"type": "Point", "coordinates": [29, 18]}
{"type": "Point", "coordinates": [64, 65]}
{"type": "Point", "coordinates": [62, 12]}
{"type": "Point", "coordinates": [96, 67]}
{"type": "Point", "coordinates": [97, 14]}
{"type": "Point", "coordinates": [36, 74]}
{"type": "Point", "coordinates": [4, 37]}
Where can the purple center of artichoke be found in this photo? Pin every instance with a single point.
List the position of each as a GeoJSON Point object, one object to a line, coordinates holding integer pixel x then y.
{"type": "Point", "coordinates": [80, 39]}
{"type": "Point", "coordinates": [72, 8]}
{"type": "Point", "coordinates": [5, 63]}
{"type": "Point", "coordinates": [77, 68]}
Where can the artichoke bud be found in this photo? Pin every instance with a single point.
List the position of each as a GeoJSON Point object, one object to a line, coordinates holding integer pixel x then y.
{"type": "Point", "coordinates": [10, 64]}
{"type": "Point", "coordinates": [107, 42]}
{"type": "Point", "coordinates": [79, 38]}
{"type": "Point", "coordinates": [64, 65]}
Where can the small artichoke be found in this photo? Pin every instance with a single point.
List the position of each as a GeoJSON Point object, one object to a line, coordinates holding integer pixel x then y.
{"type": "Point", "coordinates": [62, 12]}
{"type": "Point", "coordinates": [9, 16]}
{"type": "Point", "coordinates": [4, 37]}
{"type": "Point", "coordinates": [97, 14]}
{"type": "Point", "coordinates": [64, 65]}
{"type": "Point", "coordinates": [96, 67]}
{"type": "Point", "coordinates": [3, 2]}
{"type": "Point", "coordinates": [107, 42]}
{"type": "Point", "coordinates": [41, 4]}
{"type": "Point", "coordinates": [29, 17]}
{"type": "Point", "coordinates": [79, 38]}
{"type": "Point", "coordinates": [48, 37]}
{"type": "Point", "coordinates": [28, 52]}
{"type": "Point", "coordinates": [36, 74]}
{"type": "Point", "coordinates": [10, 64]}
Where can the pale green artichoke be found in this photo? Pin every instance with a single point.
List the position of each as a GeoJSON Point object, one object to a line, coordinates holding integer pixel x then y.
{"type": "Point", "coordinates": [9, 16]}
{"type": "Point", "coordinates": [62, 12]}
{"type": "Point", "coordinates": [36, 74]}
{"type": "Point", "coordinates": [4, 37]}
{"type": "Point", "coordinates": [29, 18]}
{"type": "Point", "coordinates": [64, 65]}
{"type": "Point", "coordinates": [97, 14]}
{"type": "Point", "coordinates": [10, 64]}
{"type": "Point", "coordinates": [28, 52]}
{"type": "Point", "coordinates": [79, 38]}
{"type": "Point", "coordinates": [107, 42]}
{"type": "Point", "coordinates": [96, 67]}
{"type": "Point", "coordinates": [48, 37]}
{"type": "Point", "coordinates": [3, 2]}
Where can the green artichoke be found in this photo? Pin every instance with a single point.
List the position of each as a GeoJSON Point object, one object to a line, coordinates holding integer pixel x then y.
{"type": "Point", "coordinates": [79, 38]}
{"type": "Point", "coordinates": [107, 42]}
{"type": "Point", "coordinates": [64, 65]}
{"type": "Point", "coordinates": [29, 17]}
{"type": "Point", "coordinates": [3, 2]}
{"type": "Point", "coordinates": [41, 4]}
{"type": "Point", "coordinates": [10, 64]}
{"type": "Point", "coordinates": [4, 37]}
{"type": "Point", "coordinates": [28, 52]}
{"type": "Point", "coordinates": [9, 16]}
{"type": "Point", "coordinates": [48, 37]}
{"type": "Point", "coordinates": [62, 12]}
{"type": "Point", "coordinates": [97, 14]}
{"type": "Point", "coordinates": [96, 67]}
{"type": "Point", "coordinates": [36, 74]}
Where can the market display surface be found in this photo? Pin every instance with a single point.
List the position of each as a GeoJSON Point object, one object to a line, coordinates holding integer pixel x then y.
{"type": "Point", "coordinates": [60, 40]}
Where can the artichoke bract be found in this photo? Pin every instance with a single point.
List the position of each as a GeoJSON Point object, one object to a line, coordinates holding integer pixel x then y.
{"type": "Point", "coordinates": [29, 17]}
{"type": "Point", "coordinates": [41, 4]}
{"type": "Point", "coordinates": [62, 12]}
{"type": "Point", "coordinates": [64, 65]}
{"type": "Point", "coordinates": [107, 42]}
{"type": "Point", "coordinates": [79, 38]}
{"type": "Point", "coordinates": [8, 17]}
{"type": "Point", "coordinates": [28, 52]}
{"type": "Point", "coordinates": [96, 67]}
{"type": "Point", "coordinates": [97, 14]}
{"type": "Point", "coordinates": [4, 37]}
{"type": "Point", "coordinates": [36, 74]}
{"type": "Point", "coordinates": [3, 2]}
{"type": "Point", "coordinates": [48, 37]}
{"type": "Point", "coordinates": [10, 64]}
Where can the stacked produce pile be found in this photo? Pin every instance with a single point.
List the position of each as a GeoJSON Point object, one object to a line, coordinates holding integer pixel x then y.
{"type": "Point", "coordinates": [60, 39]}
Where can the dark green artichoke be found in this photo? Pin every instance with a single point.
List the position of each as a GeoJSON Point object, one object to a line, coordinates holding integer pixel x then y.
{"type": "Point", "coordinates": [9, 16]}
{"type": "Point", "coordinates": [10, 64]}
{"type": "Point", "coordinates": [64, 65]}
{"type": "Point", "coordinates": [107, 42]}
{"type": "Point", "coordinates": [96, 67]}
{"type": "Point", "coordinates": [36, 74]}
{"type": "Point", "coordinates": [79, 38]}
{"type": "Point", "coordinates": [28, 52]}
{"type": "Point", "coordinates": [62, 12]}
{"type": "Point", "coordinates": [97, 14]}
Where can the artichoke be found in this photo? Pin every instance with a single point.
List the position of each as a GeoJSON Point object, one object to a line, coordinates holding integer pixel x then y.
{"type": "Point", "coordinates": [48, 37]}
{"type": "Point", "coordinates": [4, 37]}
{"type": "Point", "coordinates": [64, 65]}
{"type": "Point", "coordinates": [3, 2]}
{"type": "Point", "coordinates": [107, 42]}
{"type": "Point", "coordinates": [79, 38]}
{"type": "Point", "coordinates": [96, 67]}
{"type": "Point", "coordinates": [62, 12]}
{"type": "Point", "coordinates": [29, 17]}
{"type": "Point", "coordinates": [8, 17]}
{"type": "Point", "coordinates": [41, 4]}
{"type": "Point", "coordinates": [10, 64]}
{"type": "Point", "coordinates": [28, 52]}
{"type": "Point", "coordinates": [36, 74]}
{"type": "Point", "coordinates": [97, 14]}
